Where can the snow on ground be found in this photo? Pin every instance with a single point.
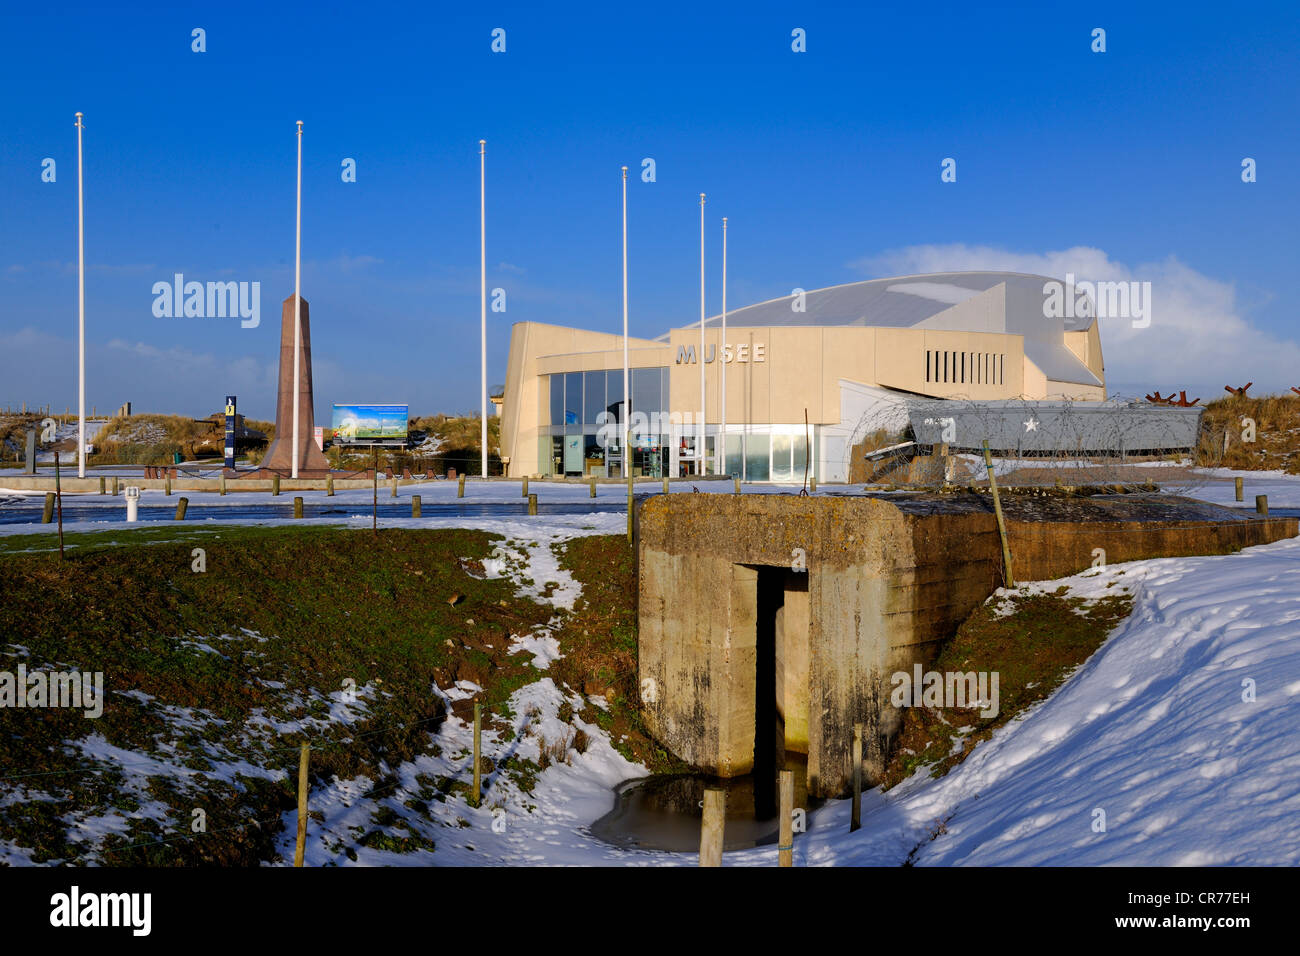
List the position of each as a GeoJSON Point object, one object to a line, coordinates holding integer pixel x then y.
{"type": "Point", "coordinates": [547, 825]}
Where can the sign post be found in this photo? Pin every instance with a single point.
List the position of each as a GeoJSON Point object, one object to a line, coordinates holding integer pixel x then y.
{"type": "Point", "coordinates": [230, 431]}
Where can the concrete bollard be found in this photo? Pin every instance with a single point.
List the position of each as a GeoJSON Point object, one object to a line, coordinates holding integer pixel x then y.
{"type": "Point", "coordinates": [221, 485]}
{"type": "Point", "coordinates": [297, 507]}
{"type": "Point", "coordinates": [415, 506]}
{"type": "Point", "coordinates": [329, 486]}
{"type": "Point", "coordinates": [1237, 486]}
{"type": "Point", "coordinates": [275, 485]}
{"type": "Point", "coordinates": [592, 482]}
{"type": "Point", "coordinates": [132, 503]}
{"type": "Point", "coordinates": [711, 827]}
{"type": "Point", "coordinates": [460, 487]}
{"type": "Point", "coordinates": [532, 504]}
{"type": "Point", "coordinates": [47, 515]}
{"type": "Point", "coordinates": [525, 488]}
{"type": "Point", "coordinates": [1261, 504]}
{"type": "Point", "coordinates": [103, 487]}
{"type": "Point", "coordinates": [181, 505]}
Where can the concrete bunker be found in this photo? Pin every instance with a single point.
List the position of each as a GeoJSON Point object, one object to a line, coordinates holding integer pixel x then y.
{"type": "Point", "coordinates": [770, 624]}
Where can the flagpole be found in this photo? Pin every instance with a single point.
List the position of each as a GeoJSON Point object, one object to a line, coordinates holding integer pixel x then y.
{"type": "Point", "coordinates": [722, 358]}
{"type": "Point", "coordinates": [627, 390]}
{"type": "Point", "coordinates": [482, 281]}
{"type": "Point", "coordinates": [297, 311]}
{"type": "Point", "coordinates": [699, 451]}
{"type": "Point", "coordinates": [81, 314]}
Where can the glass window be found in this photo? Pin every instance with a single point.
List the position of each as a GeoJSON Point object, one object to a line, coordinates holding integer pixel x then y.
{"type": "Point", "coordinates": [573, 454]}
{"type": "Point", "coordinates": [557, 399]}
{"type": "Point", "coordinates": [594, 402]}
{"type": "Point", "coordinates": [593, 456]}
{"type": "Point", "coordinates": [781, 458]}
{"type": "Point", "coordinates": [573, 398]}
{"type": "Point", "coordinates": [735, 455]}
{"type": "Point", "coordinates": [757, 449]}
{"type": "Point", "coordinates": [646, 395]}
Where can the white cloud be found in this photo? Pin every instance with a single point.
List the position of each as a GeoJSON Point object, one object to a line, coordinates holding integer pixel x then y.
{"type": "Point", "coordinates": [1199, 337]}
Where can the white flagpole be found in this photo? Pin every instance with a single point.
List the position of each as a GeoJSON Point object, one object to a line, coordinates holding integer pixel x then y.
{"type": "Point", "coordinates": [81, 315]}
{"type": "Point", "coordinates": [627, 390]}
{"type": "Point", "coordinates": [699, 451]}
{"type": "Point", "coordinates": [722, 358]}
{"type": "Point", "coordinates": [482, 278]}
{"type": "Point", "coordinates": [297, 310]}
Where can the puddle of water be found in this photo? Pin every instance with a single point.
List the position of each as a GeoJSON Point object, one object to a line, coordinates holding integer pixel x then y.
{"type": "Point", "coordinates": [665, 812]}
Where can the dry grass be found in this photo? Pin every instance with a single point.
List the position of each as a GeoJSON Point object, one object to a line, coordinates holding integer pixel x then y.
{"type": "Point", "coordinates": [1277, 434]}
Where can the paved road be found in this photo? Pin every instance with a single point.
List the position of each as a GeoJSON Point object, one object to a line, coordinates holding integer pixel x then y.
{"type": "Point", "coordinates": [29, 510]}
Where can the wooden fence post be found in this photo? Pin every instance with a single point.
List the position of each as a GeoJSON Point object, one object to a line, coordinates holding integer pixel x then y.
{"type": "Point", "coordinates": [301, 847]}
{"type": "Point", "coordinates": [460, 487]}
{"type": "Point", "coordinates": [785, 848]}
{"type": "Point", "coordinates": [532, 504]}
{"type": "Point", "coordinates": [1008, 578]}
{"type": "Point", "coordinates": [478, 753]}
{"type": "Point", "coordinates": [711, 827]}
{"type": "Point", "coordinates": [1237, 485]}
{"type": "Point", "coordinates": [525, 488]}
{"type": "Point", "coordinates": [181, 505]}
{"type": "Point", "coordinates": [415, 506]}
{"type": "Point", "coordinates": [297, 507]}
{"type": "Point", "coordinates": [855, 820]}
{"type": "Point", "coordinates": [47, 515]}
{"type": "Point", "coordinates": [593, 487]}
{"type": "Point", "coordinates": [1261, 504]}
{"type": "Point", "coordinates": [275, 484]}
{"type": "Point", "coordinates": [329, 486]}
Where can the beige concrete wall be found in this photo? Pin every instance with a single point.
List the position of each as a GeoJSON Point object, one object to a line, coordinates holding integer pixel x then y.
{"type": "Point", "coordinates": [792, 663]}
{"type": "Point", "coordinates": [878, 599]}
{"type": "Point", "coordinates": [537, 349]}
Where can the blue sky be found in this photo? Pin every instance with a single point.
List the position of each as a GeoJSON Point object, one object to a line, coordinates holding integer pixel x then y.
{"type": "Point", "coordinates": [1122, 164]}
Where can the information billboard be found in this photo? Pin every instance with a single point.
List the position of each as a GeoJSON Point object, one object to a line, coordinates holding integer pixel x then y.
{"type": "Point", "coordinates": [369, 424]}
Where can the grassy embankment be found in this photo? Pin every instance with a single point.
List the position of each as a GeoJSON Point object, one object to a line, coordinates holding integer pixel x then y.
{"type": "Point", "coordinates": [197, 664]}
{"type": "Point", "coordinates": [1033, 641]}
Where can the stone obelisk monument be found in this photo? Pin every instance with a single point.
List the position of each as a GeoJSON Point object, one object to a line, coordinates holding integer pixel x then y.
{"type": "Point", "coordinates": [312, 462]}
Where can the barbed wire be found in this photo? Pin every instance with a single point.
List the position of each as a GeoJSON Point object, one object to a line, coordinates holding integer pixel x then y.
{"type": "Point", "coordinates": [933, 443]}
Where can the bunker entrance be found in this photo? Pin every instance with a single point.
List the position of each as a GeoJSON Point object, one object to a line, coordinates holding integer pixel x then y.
{"type": "Point", "coordinates": [663, 812]}
{"type": "Point", "coordinates": [781, 697]}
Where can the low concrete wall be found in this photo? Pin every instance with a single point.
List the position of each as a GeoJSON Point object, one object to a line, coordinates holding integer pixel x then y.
{"type": "Point", "coordinates": [888, 582]}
